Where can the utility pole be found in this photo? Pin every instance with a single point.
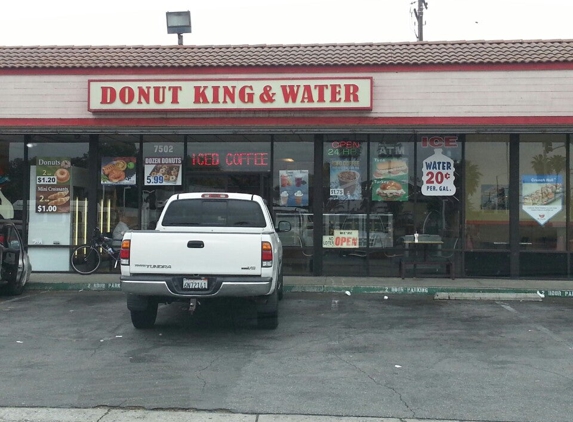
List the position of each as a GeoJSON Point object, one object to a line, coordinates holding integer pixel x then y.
{"type": "Point", "coordinates": [420, 18]}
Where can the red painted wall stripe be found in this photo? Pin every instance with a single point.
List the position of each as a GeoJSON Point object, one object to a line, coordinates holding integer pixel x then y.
{"type": "Point", "coordinates": [301, 122]}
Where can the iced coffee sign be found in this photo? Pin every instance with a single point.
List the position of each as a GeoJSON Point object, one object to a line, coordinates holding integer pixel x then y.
{"type": "Point", "coordinates": [438, 175]}
{"type": "Point", "coordinates": [542, 196]}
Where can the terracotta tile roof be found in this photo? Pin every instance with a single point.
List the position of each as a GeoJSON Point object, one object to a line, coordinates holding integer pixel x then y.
{"type": "Point", "coordinates": [379, 54]}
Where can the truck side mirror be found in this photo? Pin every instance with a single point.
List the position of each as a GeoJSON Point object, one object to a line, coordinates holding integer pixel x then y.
{"type": "Point", "coordinates": [284, 226]}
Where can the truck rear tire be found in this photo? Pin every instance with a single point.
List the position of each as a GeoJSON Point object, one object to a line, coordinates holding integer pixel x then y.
{"type": "Point", "coordinates": [145, 318]}
{"type": "Point", "coordinates": [268, 313]}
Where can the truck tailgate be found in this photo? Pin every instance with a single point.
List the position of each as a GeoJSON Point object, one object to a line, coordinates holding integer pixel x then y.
{"type": "Point", "coordinates": [195, 253]}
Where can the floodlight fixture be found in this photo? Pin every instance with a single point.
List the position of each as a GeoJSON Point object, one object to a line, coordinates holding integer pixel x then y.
{"type": "Point", "coordinates": [179, 23]}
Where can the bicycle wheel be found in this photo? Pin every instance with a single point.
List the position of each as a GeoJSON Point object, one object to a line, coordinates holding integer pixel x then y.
{"type": "Point", "coordinates": [85, 259]}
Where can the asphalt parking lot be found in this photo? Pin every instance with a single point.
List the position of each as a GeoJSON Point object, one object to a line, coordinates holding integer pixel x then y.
{"type": "Point", "coordinates": [333, 354]}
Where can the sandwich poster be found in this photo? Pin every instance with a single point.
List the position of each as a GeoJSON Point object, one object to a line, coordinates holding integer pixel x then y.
{"type": "Point", "coordinates": [389, 179]}
{"type": "Point", "coordinates": [542, 196]}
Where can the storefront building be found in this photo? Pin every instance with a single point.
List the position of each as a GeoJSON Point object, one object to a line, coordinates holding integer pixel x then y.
{"type": "Point", "coordinates": [359, 146]}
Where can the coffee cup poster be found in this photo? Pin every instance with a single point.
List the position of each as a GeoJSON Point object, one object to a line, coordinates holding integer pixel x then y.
{"type": "Point", "coordinates": [389, 179]}
{"type": "Point", "coordinates": [53, 181]}
{"type": "Point", "coordinates": [293, 188]}
{"type": "Point", "coordinates": [345, 180]}
{"type": "Point", "coordinates": [118, 171]}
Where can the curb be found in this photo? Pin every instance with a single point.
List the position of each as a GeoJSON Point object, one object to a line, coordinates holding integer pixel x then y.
{"type": "Point", "coordinates": [453, 292]}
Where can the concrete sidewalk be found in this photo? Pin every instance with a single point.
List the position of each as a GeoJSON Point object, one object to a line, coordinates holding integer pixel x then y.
{"type": "Point", "coordinates": [347, 285]}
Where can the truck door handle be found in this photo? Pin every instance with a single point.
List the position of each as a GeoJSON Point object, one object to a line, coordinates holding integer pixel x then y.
{"type": "Point", "coordinates": [195, 244]}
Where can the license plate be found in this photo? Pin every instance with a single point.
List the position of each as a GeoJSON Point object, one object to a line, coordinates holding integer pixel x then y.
{"type": "Point", "coordinates": [195, 283]}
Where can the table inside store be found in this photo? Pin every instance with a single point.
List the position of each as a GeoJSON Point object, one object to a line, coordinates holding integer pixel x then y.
{"type": "Point", "coordinates": [418, 252]}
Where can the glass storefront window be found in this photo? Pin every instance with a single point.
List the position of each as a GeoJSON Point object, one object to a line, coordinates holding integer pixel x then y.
{"type": "Point", "coordinates": [486, 182]}
{"type": "Point", "coordinates": [229, 153]}
{"type": "Point", "coordinates": [392, 175]}
{"type": "Point", "coordinates": [163, 174]}
{"type": "Point", "coordinates": [345, 173]}
{"type": "Point", "coordinates": [439, 193]}
{"type": "Point", "coordinates": [542, 215]}
{"type": "Point", "coordinates": [12, 170]}
{"type": "Point", "coordinates": [117, 189]}
{"type": "Point", "coordinates": [229, 163]}
{"type": "Point", "coordinates": [57, 204]}
{"type": "Point", "coordinates": [345, 194]}
{"type": "Point", "coordinates": [293, 179]}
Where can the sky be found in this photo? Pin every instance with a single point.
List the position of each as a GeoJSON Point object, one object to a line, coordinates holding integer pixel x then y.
{"type": "Point", "coordinates": [255, 22]}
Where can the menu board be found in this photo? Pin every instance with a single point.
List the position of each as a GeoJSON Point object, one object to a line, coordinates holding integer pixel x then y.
{"type": "Point", "coordinates": [53, 181]}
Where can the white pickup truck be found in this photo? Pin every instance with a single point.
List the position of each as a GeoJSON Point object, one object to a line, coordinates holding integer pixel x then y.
{"type": "Point", "coordinates": [205, 245]}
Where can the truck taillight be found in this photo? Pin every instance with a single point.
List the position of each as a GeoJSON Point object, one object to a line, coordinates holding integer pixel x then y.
{"type": "Point", "coordinates": [267, 254]}
{"type": "Point", "coordinates": [124, 252]}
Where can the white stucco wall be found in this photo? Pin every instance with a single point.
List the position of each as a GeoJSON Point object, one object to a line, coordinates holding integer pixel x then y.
{"type": "Point", "coordinates": [399, 94]}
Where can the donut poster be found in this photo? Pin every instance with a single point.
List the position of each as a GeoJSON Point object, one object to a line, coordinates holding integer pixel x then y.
{"type": "Point", "coordinates": [53, 181]}
{"type": "Point", "coordinates": [118, 171]}
{"type": "Point", "coordinates": [162, 171]}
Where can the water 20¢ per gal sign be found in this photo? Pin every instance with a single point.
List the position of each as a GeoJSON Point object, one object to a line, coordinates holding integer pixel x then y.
{"type": "Point", "coordinates": [438, 175]}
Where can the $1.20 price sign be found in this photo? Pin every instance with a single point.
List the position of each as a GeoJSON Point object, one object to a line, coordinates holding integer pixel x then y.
{"type": "Point", "coordinates": [438, 175]}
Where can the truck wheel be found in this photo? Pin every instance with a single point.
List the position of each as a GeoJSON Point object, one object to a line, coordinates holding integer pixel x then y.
{"type": "Point", "coordinates": [16, 288]}
{"type": "Point", "coordinates": [268, 313]}
{"type": "Point", "coordinates": [146, 318]}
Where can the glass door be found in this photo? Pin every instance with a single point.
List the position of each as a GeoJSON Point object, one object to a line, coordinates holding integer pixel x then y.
{"type": "Point", "coordinates": [257, 184]}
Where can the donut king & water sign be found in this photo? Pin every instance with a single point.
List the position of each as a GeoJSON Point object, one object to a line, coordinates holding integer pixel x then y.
{"type": "Point", "coordinates": [438, 175]}
{"type": "Point", "coordinates": [53, 177]}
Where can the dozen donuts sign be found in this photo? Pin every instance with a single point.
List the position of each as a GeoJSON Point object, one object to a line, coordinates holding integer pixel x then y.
{"type": "Point", "coordinates": [53, 185]}
{"type": "Point", "coordinates": [230, 94]}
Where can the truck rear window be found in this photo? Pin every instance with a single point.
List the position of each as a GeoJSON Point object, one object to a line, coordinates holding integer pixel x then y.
{"type": "Point", "coordinates": [214, 212]}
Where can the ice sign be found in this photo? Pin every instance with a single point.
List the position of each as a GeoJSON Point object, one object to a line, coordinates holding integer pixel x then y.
{"type": "Point", "coordinates": [438, 175]}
